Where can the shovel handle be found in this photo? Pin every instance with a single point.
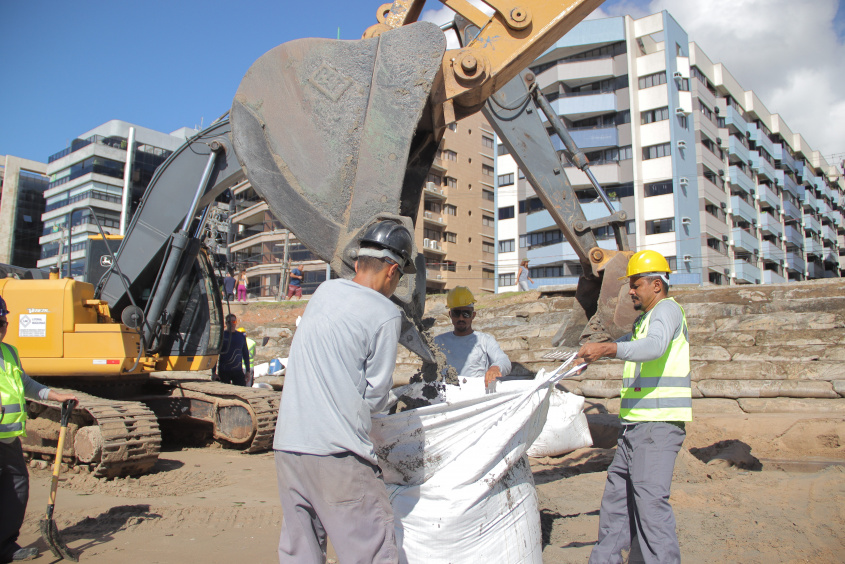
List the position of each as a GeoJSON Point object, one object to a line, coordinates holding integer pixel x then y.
{"type": "Point", "coordinates": [67, 409]}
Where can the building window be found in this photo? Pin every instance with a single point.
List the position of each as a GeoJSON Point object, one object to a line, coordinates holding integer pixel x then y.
{"type": "Point", "coordinates": [717, 245]}
{"type": "Point", "coordinates": [507, 246]}
{"type": "Point", "coordinates": [434, 179]}
{"type": "Point", "coordinates": [431, 234]}
{"type": "Point", "coordinates": [652, 116]}
{"type": "Point", "coordinates": [683, 85]}
{"type": "Point", "coordinates": [531, 205]}
{"type": "Point", "coordinates": [487, 221]}
{"type": "Point", "coordinates": [487, 142]}
{"type": "Point", "coordinates": [505, 179]}
{"type": "Point", "coordinates": [657, 151]}
{"type": "Point", "coordinates": [660, 226]}
{"type": "Point", "coordinates": [541, 238]}
{"type": "Point", "coordinates": [487, 247]}
{"type": "Point", "coordinates": [488, 195]}
{"type": "Point", "coordinates": [487, 170]}
{"type": "Point", "coordinates": [487, 274]}
{"type": "Point", "coordinates": [449, 209]}
{"type": "Point", "coordinates": [450, 237]}
{"type": "Point", "coordinates": [652, 80]}
{"type": "Point", "coordinates": [658, 188]}
{"type": "Point", "coordinates": [450, 266]}
{"type": "Point", "coordinates": [715, 211]}
{"type": "Point", "coordinates": [508, 279]}
{"type": "Point", "coordinates": [712, 147]}
{"type": "Point", "coordinates": [506, 212]}
{"type": "Point", "coordinates": [501, 150]}
{"type": "Point", "coordinates": [448, 155]}
{"type": "Point", "coordinates": [450, 182]}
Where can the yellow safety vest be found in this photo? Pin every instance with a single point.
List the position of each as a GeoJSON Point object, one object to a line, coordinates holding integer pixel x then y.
{"type": "Point", "coordinates": [660, 389]}
{"type": "Point", "coordinates": [11, 395]}
{"type": "Point", "coordinates": [250, 345]}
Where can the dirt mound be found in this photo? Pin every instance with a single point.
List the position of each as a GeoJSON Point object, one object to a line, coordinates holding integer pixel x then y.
{"type": "Point", "coordinates": [691, 470]}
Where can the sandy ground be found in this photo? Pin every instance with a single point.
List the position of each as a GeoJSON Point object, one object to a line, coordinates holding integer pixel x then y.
{"type": "Point", "coordinates": [213, 505]}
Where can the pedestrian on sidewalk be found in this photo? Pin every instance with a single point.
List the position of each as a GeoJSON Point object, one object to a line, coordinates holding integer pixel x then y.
{"type": "Point", "coordinates": [339, 373]}
{"type": "Point", "coordinates": [522, 277]}
{"type": "Point", "coordinates": [295, 283]}
{"type": "Point", "coordinates": [242, 284]}
{"type": "Point", "coordinates": [655, 405]}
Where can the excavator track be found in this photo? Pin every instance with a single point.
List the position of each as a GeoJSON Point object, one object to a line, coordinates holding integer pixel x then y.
{"type": "Point", "coordinates": [128, 441]}
{"type": "Point", "coordinates": [262, 404]}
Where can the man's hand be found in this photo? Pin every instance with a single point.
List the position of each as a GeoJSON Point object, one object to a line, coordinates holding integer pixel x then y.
{"type": "Point", "coordinates": [56, 396]}
{"type": "Point", "coordinates": [591, 352]}
{"type": "Point", "coordinates": [493, 373]}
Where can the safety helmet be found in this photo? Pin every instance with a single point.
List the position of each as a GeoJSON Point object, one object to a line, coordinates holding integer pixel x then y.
{"type": "Point", "coordinates": [393, 238]}
{"type": "Point", "coordinates": [646, 262]}
{"type": "Point", "coordinates": [459, 296]}
{"type": "Point", "coordinates": [3, 310]}
{"type": "Point", "coordinates": [240, 330]}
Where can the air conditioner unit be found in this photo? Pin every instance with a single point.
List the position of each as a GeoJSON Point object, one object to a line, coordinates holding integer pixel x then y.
{"type": "Point", "coordinates": [721, 173]}
{"type": "Point", "coordinates": [682, 144]}
{"type": "Point", "coordinates": [725, 238]}
{"type": "Point", "coordinates": [683, 181]}
{"type": "Point", "coordinates": [724, 205]}
{"type": "Point", "coordinates": [716, 109]}
{"type": "Point", "coordinates": [678, 74]}
{"type": "Point", "coordinates": [426, 242]}
{"type": "Point", "coordinates": [681, 111]}
{"type": "Point", "coordinates": [430, 186]}
{"type": "Point", "coordinates": [686, 220]}
{"type": "Point", "coordinates": [718, 140]}
{"type": "Point", "coordinates": [727, 272]}
{"type": "Point", "coordinates": [687, 258]}
{"type": "Point", "coordinates": [439, 276]}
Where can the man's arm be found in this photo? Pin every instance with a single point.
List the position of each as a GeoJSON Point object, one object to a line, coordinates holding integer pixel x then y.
{"type": "Point", "coordinates": [381, 364]}
{"type": "Point", "coordinates": [500, 364]}
{"type": "Point", "coordinates": [33, 390]}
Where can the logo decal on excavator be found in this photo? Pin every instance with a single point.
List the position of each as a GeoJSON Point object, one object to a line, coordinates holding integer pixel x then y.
{"type": "Point", "coordinates": [330, 82]}
{"type": "Point", "coordinates": [105, 260]}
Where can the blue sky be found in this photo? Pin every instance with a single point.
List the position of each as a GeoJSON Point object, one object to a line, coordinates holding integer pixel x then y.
{"type": "Point", "coordinates": [70, 66]}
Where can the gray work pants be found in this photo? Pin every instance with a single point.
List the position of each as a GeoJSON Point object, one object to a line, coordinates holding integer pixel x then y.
{"type": "Point", "coordinates": [635, 510]}
{"type": "Point", "coordinates": [340, 496]}
{"type": "Point", "coordinates": [14, 493]}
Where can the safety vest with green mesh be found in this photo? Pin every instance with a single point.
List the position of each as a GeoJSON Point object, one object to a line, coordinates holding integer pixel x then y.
{"type": "Point", "coordinates": [658, 390]}
{"type": "Point", "coordinates": [250, 345]}
{"type": "Point", "coordinates": [11, 395]}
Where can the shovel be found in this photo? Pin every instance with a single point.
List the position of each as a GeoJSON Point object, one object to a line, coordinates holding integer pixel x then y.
{"type": "Point", "coordinates": [48, 527]}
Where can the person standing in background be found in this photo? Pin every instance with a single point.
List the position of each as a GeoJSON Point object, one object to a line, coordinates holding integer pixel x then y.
{"type": "Point", "coordinates": [242, 283]}
{"type": "Point", "coordinates": [229, 284]}
{"type": "Point", "coordinates": [522, 276]}
{"type": "Point", "coordinates": [295, 284]}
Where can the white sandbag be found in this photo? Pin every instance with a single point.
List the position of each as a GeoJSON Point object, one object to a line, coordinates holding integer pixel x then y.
{"type": "Point", "coordinates": [459, 480]}
{"type": "Point", "coordinates": [276, 367]}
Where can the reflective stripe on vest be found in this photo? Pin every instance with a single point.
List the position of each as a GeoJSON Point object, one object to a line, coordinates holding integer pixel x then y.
{"type": "Point", "coordinates": [660, 389]}
{"type": "Point", "coordinates": [11, 395]}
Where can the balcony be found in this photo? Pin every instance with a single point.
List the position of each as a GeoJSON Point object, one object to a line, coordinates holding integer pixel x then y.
{"type": "Point", "coordinates": [739, 178]}
{"type": "Point", "coordinates": [770, 224]}
{"type": "Point", "coordinates": [793, 237]}
{"type": "Point", "coordinates": [813, 247]}
{"type": "Point", "coordinates": [760, 138]}
{"type": "Point", "coordinates": [767, 196]}
{"type": "Point", "coordinates": [771, 252]}
{"type": "Point", "coordinates": [795, 262]}
{"type": "Point", "coordinates": [741, 208]}
{"type": "Point", "coordinates": [434, 275]}
{"type": "Point", "coordinates": [538, 221]}
{"type": "Point", "coordinates": [809, 201]}
{"type": "Point", "coordinates": [811, 223]}
{"type": "Point", "coordinates": [433, 192]}
{"type": "Point", "coordinates": [772, 277]}
{"type": "Point", "coordinates": [735, 121]}
{"type": "Point", "coordinates": [746, 273]}
{"type": "Point", "coordinates": [580, 107]}
{"type": "Point", "coordinates": [744, 241]}
{"type": "Point", "coordinates": [761, 166]}
{"type": "Point", "coordinates": [815, 270]}
{"type": "Point", "coordinates": [824, 208]}
{"type": "Point", "coordinates": [577, 72]}
{"type": "Point", "coordinates": [433, 218]}
{"type": "Point", "coordinates": [782, 154]}
{"type": "Point", "coordinates": [787, 183]}
{"type": "Point", "coordinates": [737, 149]}
{"type": "Point", "coordinates": [828, 233]}
{"type": "Point", "coordinates": [432, 246]}
{"type": "Point", "coordinates": [830, 256]}
{"type": "Point", "coordinates": [592, 138]}
{"type": "Point", "coordinates": [790, 210]}
{"type": "Point", "coordinates": [606, 173]}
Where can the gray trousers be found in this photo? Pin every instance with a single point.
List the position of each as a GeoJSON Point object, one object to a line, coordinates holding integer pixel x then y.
{"type": "Point", "coordinates": [635, 510]}
{"type": "Point", "coordinates": [14, 493]}
{"type": "Point", "coordinates": [340, 496]}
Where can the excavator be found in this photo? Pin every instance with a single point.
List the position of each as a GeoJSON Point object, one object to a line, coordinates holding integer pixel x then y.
{"type": "Point", "coordinates": [334, 135]}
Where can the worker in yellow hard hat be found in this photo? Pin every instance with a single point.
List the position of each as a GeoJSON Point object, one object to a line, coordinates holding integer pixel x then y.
{"type": "Point", "coordinates": [472, 353]}
{"type": "Point", "coordinates": [656, 402]}
{"type": "Point", "coordinates": [249, 368]}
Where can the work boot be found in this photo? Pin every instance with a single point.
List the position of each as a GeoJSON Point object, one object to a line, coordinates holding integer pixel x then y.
{"type": "Point", "coordinates": [23, 554]}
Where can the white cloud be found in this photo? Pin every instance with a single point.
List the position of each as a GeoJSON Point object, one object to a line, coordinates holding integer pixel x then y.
{"type": "Point", "coordinates": [786, 51]}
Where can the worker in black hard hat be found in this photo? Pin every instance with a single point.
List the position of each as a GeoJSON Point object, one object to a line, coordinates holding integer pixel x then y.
{"type": "Point", "coordinates": [15, 386]}
{"type": "Point", "coordinates": [339, 373]}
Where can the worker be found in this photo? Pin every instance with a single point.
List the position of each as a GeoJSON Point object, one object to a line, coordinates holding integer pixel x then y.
{"type": "Point", "coordinates": [656, 403]}
{"type": "Point", "coordinates": [248, 362]}
{"type": "Point", "coordinates": [471, 353]}
{"type": "Point", "coordinates": [233, 363]}
{"type": "Point", "coordinates": [339, 373]}
{"type": "Point", "coordinates": [522, 277]}
{"type": "Point", "coordinates": [295, 283]}
{"type": "Point", "coordinates": [15, 385]}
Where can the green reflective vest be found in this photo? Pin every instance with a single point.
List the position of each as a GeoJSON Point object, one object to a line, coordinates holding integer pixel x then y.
{"type": "Point", "coordinates": [660, 389]}
{"type": "Point", "coordinates": [11, 395]}
{"type": "Point", "coordinates": [250, 345]}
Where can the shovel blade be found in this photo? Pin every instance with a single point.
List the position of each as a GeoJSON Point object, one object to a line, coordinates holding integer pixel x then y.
{"type": "Point", "coordinates": [50, 534]}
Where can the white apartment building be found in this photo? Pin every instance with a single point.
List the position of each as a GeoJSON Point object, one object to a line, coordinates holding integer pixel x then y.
{"type": "Point", "coordinates": [711, 178]}
{"type": "Point", "coordinates": [90, 172]}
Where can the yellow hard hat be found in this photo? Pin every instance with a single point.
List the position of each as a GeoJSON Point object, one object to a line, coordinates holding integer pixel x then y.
{"type": "Point", "coordinates": [644, 262]}
{"type": "Point", "coordinates": [459, 296]}
{"type": "Point", "coordinates": [240, 330]}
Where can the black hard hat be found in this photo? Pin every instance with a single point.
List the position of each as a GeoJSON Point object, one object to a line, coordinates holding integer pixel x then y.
{"type": "Point", "coordinates": [3, 310]}
{"type": "Point", "coordinates": [393, 237]}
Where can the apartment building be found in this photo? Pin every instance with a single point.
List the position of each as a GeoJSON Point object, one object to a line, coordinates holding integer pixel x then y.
{"type": "Point", "coordinates": [455, 227]}
{"type": "Point", "coordinates": [711, 178]}
{"type": "Point", "coordinates": [90, 172]}
{"type": "Point", "coordinates": [22, 186]}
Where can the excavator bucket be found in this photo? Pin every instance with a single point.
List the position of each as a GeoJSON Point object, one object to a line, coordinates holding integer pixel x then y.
{"type": "Point", "coordinates": [336, 135]}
